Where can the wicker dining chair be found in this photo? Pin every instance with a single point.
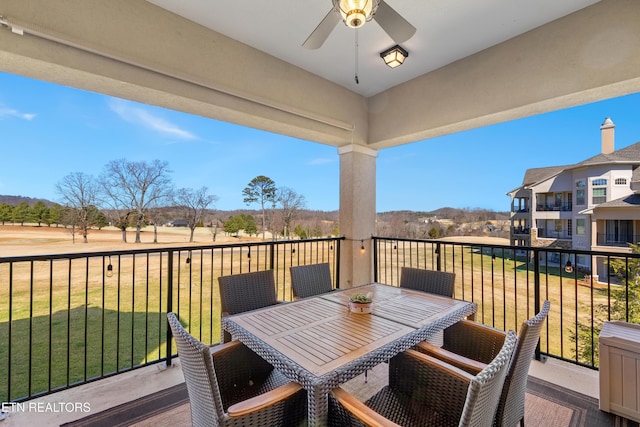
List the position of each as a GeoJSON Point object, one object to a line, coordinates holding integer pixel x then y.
{"type": "Point", "coordinates": [310, 280]}
{"type": "Point", "coordinates": [230, 385]}
{"type": "Point", "coordinates": [470, 346]}
{"type": "Point", "coordinates": [432, 281]}
{"type": "Point", "coordinates": [245, 292]}
{"type": "Point", "coordinates": [424, 391]}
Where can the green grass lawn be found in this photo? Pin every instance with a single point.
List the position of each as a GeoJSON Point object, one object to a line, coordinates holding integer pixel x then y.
{"type": "Point", "coordinates": [63, 322]}
{"type": "Point", "coordinates": [503, 288]}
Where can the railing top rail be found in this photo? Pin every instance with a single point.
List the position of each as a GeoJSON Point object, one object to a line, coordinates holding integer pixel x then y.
{"type": "Point", "coordinates": [159, 249]}
{"type": "Point", "coordinates": [509, 247]}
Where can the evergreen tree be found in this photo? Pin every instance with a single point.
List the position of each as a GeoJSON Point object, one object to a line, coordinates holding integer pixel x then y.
{"type": "Point", "coordinates": [249, 224]}
{"type": "Point", "coordinates": [39, 213]}
{"type": "Point", "coordinates": [301, 232]}
{"type": "Point", "coordinates": [6, 212]}
{"type": "Point", "coordinates": [21, 213]}
{"type": "Point", "coordinates": [96, 217]}
{"type": "Point", "coordinates": [55, 215]}
{"type": "Point", "coordinates": [232, 225]}
{"type": "Point", "coordinates": [261, 189]}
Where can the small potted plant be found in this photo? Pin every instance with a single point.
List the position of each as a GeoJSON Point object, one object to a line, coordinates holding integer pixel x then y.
{"type": "Point", "coordinates": [360, 303]}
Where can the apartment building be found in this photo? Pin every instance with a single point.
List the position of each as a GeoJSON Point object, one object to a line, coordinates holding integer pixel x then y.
{"type": "Point", "coordinates": [591, 205]}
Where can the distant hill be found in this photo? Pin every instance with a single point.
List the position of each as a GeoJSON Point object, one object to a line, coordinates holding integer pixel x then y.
{"type": "Point", "coordinates": [16, 200]}
{"type": "Point", "coordinates": [446, 212]}
{"type": "Point", "coordinates": [456, 214]}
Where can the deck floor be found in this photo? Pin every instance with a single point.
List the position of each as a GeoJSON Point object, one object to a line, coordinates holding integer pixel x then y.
{"type": "Point", "coordinates": [121, 389]}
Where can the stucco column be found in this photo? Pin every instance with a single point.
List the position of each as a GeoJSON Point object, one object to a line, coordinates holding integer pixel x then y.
{"type": "Point", "coordinates": [357, 213]}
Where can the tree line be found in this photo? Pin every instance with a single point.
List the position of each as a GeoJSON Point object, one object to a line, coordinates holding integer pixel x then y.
{"type": "Point", "coordinates": [136, 194]}
{"type": "Point", "coordinates": [46, 214]}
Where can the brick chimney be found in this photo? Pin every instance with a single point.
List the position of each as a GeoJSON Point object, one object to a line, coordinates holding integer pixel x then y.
{"type": "Point", "coordinates": [607, 129]}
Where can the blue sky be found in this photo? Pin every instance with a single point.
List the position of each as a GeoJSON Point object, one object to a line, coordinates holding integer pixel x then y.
{"type": "Point", "coordinates": [48, 131]}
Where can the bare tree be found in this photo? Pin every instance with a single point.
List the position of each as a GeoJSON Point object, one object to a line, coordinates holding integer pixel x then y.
{"type": "Point", "coordinates": [119, 213]}
{"type": "Point", "coordinates": [193, 205]}
{"type": "Point", "coordinates": [120, 218]}
{"type": "Point", "coordinates": [290, 203]}
{"type": "Point", "coordinates": [215, 223]}
{"type": "Point", "coordinates": [79, 192]}
{"type": "Point", "coordinates": [138, 186]}
{"type": "Point", "coordinates": [261, 189]}
{"type": "Point", "coordinates": [156, 216]}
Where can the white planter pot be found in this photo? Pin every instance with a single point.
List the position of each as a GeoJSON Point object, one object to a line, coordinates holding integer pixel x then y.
{"type": "Point", "coordinates": [360, 307]}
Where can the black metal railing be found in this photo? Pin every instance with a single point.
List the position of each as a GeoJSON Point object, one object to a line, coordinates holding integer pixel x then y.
{"type": "Point", "coordinates": [553, 234]}
{"type": "Point", "coordinates": [509, 283]}
{"type": "Point", "coordinates": [562, 207]}
{"type": "Point", "coordinates": [617, 239]}
{"type": "Point", "coordinates": [68, 319]}
{"type": "Point", "coordinates": [521, 230]}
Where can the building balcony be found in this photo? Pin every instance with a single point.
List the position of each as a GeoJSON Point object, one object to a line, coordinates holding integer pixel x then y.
{"type": "Point", "coordinates": [75, 328]}
{"type": "Point", "coordinates": [563, 207]}
{"type": "Point", "coordinates": [518, 231]}
{"type": "Point", "coordinates": [55, 310]}
{"type": "Point", "coordinates": [606, 239]}
{"type": "Point", "coordinates": [524, 214]}
{"type": "Point", "coordinates": [549, 234]}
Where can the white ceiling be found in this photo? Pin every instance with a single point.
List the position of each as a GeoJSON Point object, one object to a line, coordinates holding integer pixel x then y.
{"type": "Point", "coordinates": [447, 30]}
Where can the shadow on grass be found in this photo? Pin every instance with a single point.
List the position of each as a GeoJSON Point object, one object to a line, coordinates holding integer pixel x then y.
{"type": "Point", "coordinates": [70, 346]}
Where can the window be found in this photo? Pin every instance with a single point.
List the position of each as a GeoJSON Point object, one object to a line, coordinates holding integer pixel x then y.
{"type": "Point", "coordinates": [558, 225]}
{"type": "Point", "coordinates": [619, 232]}
{"type": "Point", "coordinates": [599, 191]}
{"type": "Point", "coordinates": [569, 227]}
{"type": "Point", "coordinates": [558, 202]}
{"type": "Point", "coordinates": [621, 181]}
{"type": "Point", "coordinates": [599, 195]}
{"type": "Point", "coordinates": [580, 195]}
{"type": "Point", "coordinates": [580, 226]}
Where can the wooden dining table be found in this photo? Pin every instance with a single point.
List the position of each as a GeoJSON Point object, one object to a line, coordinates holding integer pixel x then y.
{"type": "Point", "coordinates": [318, 343]}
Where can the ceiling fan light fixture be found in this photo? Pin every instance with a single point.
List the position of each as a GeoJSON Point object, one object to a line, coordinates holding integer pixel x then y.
{"type": "Point", "coordinates": [355, 13]}
{"type": "Point", "coordinates": [394, 56]}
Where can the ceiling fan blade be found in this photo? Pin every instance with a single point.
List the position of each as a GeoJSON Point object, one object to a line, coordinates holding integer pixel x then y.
{"type": "Point", "coordinates": [398, 28]}
{"type": "Point", "coordinates": [322, 31]}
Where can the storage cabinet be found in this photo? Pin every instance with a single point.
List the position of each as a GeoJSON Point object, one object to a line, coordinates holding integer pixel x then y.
{"type": "Point", "coordinates": [619, 346]}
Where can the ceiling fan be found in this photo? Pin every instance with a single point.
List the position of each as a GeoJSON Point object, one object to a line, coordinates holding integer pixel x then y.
{"type": "Point", "coordinates": [354, 13]}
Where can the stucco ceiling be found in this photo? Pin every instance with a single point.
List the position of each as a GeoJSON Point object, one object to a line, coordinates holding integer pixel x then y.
{"type": "Point", "coordinates": [471, 63]}
{"type": "Point", "coordinates": [447, 30]}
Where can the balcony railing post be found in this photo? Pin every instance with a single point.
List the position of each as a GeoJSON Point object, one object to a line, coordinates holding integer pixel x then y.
{"type": "Point", "coordinates": [374, 243]}
{"type": "Point", "coordinates": [438, 262]}
{"type": "Point", "coordinates": [337, 262]}
{"type": "Point", "coordinates": [169, 303]}
{"type": "Point", "coordinates": [536, 291]}
{"type": "Point", "coordinates": [272, 251]}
